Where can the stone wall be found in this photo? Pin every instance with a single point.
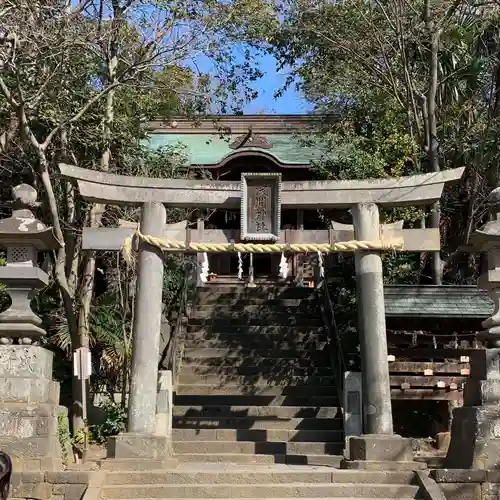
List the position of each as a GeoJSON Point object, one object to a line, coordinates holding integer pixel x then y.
{"type": "Point", "coordinates": [468, 484]}
{"type": "Point", "coordinates": [29, 408]}
{"type": "Point", "coordinates": [65, 485]}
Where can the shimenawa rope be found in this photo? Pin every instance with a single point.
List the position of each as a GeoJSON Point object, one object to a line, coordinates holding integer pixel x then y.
{"type": "Point", "coordinates": [166, 245]}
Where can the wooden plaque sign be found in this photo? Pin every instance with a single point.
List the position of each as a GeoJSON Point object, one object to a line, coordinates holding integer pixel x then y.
{"type": "Point", "coordinates": [260, 206]}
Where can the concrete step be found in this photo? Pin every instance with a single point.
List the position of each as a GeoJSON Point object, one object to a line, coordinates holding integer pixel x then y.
{"type": "Point", "coordinates": [215, 474]}
{"type": "Point", "coordinates": [251, 342]}
{"type": "Point", "coordinates": [253, 310]}
{"type": "Point", "coordinates": [261, 291]}
{"type": "Point", "coordinates": [256, 353]}
{"type": "Point", "coordinates": [254, 400]}
{"type": "Point", "coordinates": [213, 294]}
{"type": "Point", "coordinates": [236, 317]}
{"type": "Point", "coordinates": [281, 365]}
{"type": "Point", "coordinates": [249, 459]}
{"type": "Point", "coordinates": [330, 498]}
{"type": "Point", "coordinates": [269, 423]}
{"type": "Point", "coordinates": [260, 447]}
{"type": "Point", "coordinates": [220, 363]}
{"type": "Point", "coordinates": [233, 301]}
{"type": "Point", "coordinates": [242, 301]}
{"type": "Point", "coordinates": [267, 411]}
{"type": "Point", "coordinates": [257, 390]}
{"type": "Point", "coordinates": [266, 372]}
{"type": "Point", "coordinates": [256, 319]}
{"type": "Point", "coordinates": [280, 380]}
{"type": "Point", "coordinates": [293, 490]}
{"type": "Point", "coordinates": [247, 329]}
{"type": "Point", "coordinates": [258, 435]}
{"type": "Point", "coordinates": [244, 335]}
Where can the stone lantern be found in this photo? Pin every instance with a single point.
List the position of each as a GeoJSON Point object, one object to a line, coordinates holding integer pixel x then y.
{"type": "Point", "coordinates": [487, 240]}
{"type": "Point", "coordinates": [22, 235]}
{"type": "Point", "coordinates": [29, 398]}
{"type": "Point", "coordinates": [475, 432]}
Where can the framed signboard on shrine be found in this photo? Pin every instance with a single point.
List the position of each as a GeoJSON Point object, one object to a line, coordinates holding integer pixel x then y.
{"type": "Point", "coordinates": [260, 206]}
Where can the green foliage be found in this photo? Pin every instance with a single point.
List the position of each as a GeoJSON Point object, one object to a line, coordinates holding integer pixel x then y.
{"type": "Point", "coordinates": [64, 437]}
{"type": "Point", "coordinates": [367, 67]}
{"type": "Point", "coordinates": [80, 438]}
{"type": "Point", "coordinates": [110, 346]}
{"type": "Point", "coordinates": [113, 424]}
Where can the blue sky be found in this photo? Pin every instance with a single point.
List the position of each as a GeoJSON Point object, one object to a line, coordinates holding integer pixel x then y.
{"type": "Point", "coordinates": [290, 103]}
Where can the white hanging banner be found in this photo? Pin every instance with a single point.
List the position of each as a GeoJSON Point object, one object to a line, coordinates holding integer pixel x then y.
{"type": "Point", "coordinates": [321, 265]}
{"type": "Point", "coordinates": [283, 269]}
{"type": "Point", "coordinates": [240, 266]}
{"type": "Point", "coordinates": [204, 269]}
{"type": "Point", "coordinates": [82, 363]}
{"type": "Point", "coordinates": [82, 369]}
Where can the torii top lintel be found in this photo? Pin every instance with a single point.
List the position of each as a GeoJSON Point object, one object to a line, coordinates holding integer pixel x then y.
{"type": "Point", "coordinates": [114, 189]}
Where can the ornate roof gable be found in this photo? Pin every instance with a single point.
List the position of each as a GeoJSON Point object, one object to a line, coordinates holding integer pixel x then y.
{"type": "Point", "coordinates": [250, 140]}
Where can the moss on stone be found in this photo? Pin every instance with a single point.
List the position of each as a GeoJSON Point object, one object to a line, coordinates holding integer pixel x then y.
{"type": "Point", "coordinates": [64, 436]}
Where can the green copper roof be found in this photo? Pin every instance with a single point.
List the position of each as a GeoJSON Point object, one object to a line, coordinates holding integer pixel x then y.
{"type": "Point", "coordinates": [211, 149]}
{"type": "Point", "coordinates": [437, 301]}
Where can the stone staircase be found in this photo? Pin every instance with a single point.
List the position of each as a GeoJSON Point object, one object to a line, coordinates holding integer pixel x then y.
{"type": "Point", "coordinates": [255, 385]}
{"type": "Point", "coordinates": [256, 411]}
{"type": "Point", "coordinates": [210, 481]}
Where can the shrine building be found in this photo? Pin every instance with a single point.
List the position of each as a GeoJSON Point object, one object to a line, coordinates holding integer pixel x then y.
{"type": "Point", "coordinates": [223, 148]}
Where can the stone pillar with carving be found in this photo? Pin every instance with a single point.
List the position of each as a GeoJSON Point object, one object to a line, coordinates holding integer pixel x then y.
{"type": "Point", "coordinates": [475, 431]}
{"type": "Point", "coordinates": [29, 398]}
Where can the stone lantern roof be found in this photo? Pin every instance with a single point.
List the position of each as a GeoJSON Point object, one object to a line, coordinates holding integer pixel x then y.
{"type": "Point", "coordinates": [488, 236]}
{"type": "Point", "coordinates": [22, 228]}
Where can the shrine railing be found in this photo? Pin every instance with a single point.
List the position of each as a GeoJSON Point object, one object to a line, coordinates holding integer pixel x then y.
{"type": "Point", "coordinates": [172, 351]}
{"type": "Point", "coordinates": [334, 343]}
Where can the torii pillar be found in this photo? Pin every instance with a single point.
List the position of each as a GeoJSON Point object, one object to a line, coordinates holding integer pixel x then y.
{"type": "Point", "coordinates": [378, 445]}
{"type": "Point", "coordinates": [142, 441]}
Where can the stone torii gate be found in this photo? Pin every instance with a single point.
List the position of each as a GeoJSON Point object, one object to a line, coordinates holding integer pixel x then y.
{"type": "Point", "coordinates": [261, 229]}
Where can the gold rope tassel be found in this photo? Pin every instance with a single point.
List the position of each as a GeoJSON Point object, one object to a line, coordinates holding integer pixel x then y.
{"type": "Point", "coordinates": [167, 245]}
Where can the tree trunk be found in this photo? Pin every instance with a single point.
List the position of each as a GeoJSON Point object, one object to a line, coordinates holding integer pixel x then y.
{"type": "Point", "coordinates": [432, 149]}
{"type": "Point", "coordinates": [60, 257]}
{"type": "Point", "coordinates": [96, 212]}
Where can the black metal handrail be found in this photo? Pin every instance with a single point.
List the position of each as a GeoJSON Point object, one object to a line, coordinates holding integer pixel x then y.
{"type": "Point", "coordinates": [171, 356]}
{"type": "Point", "coordinates": [334, 342]}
